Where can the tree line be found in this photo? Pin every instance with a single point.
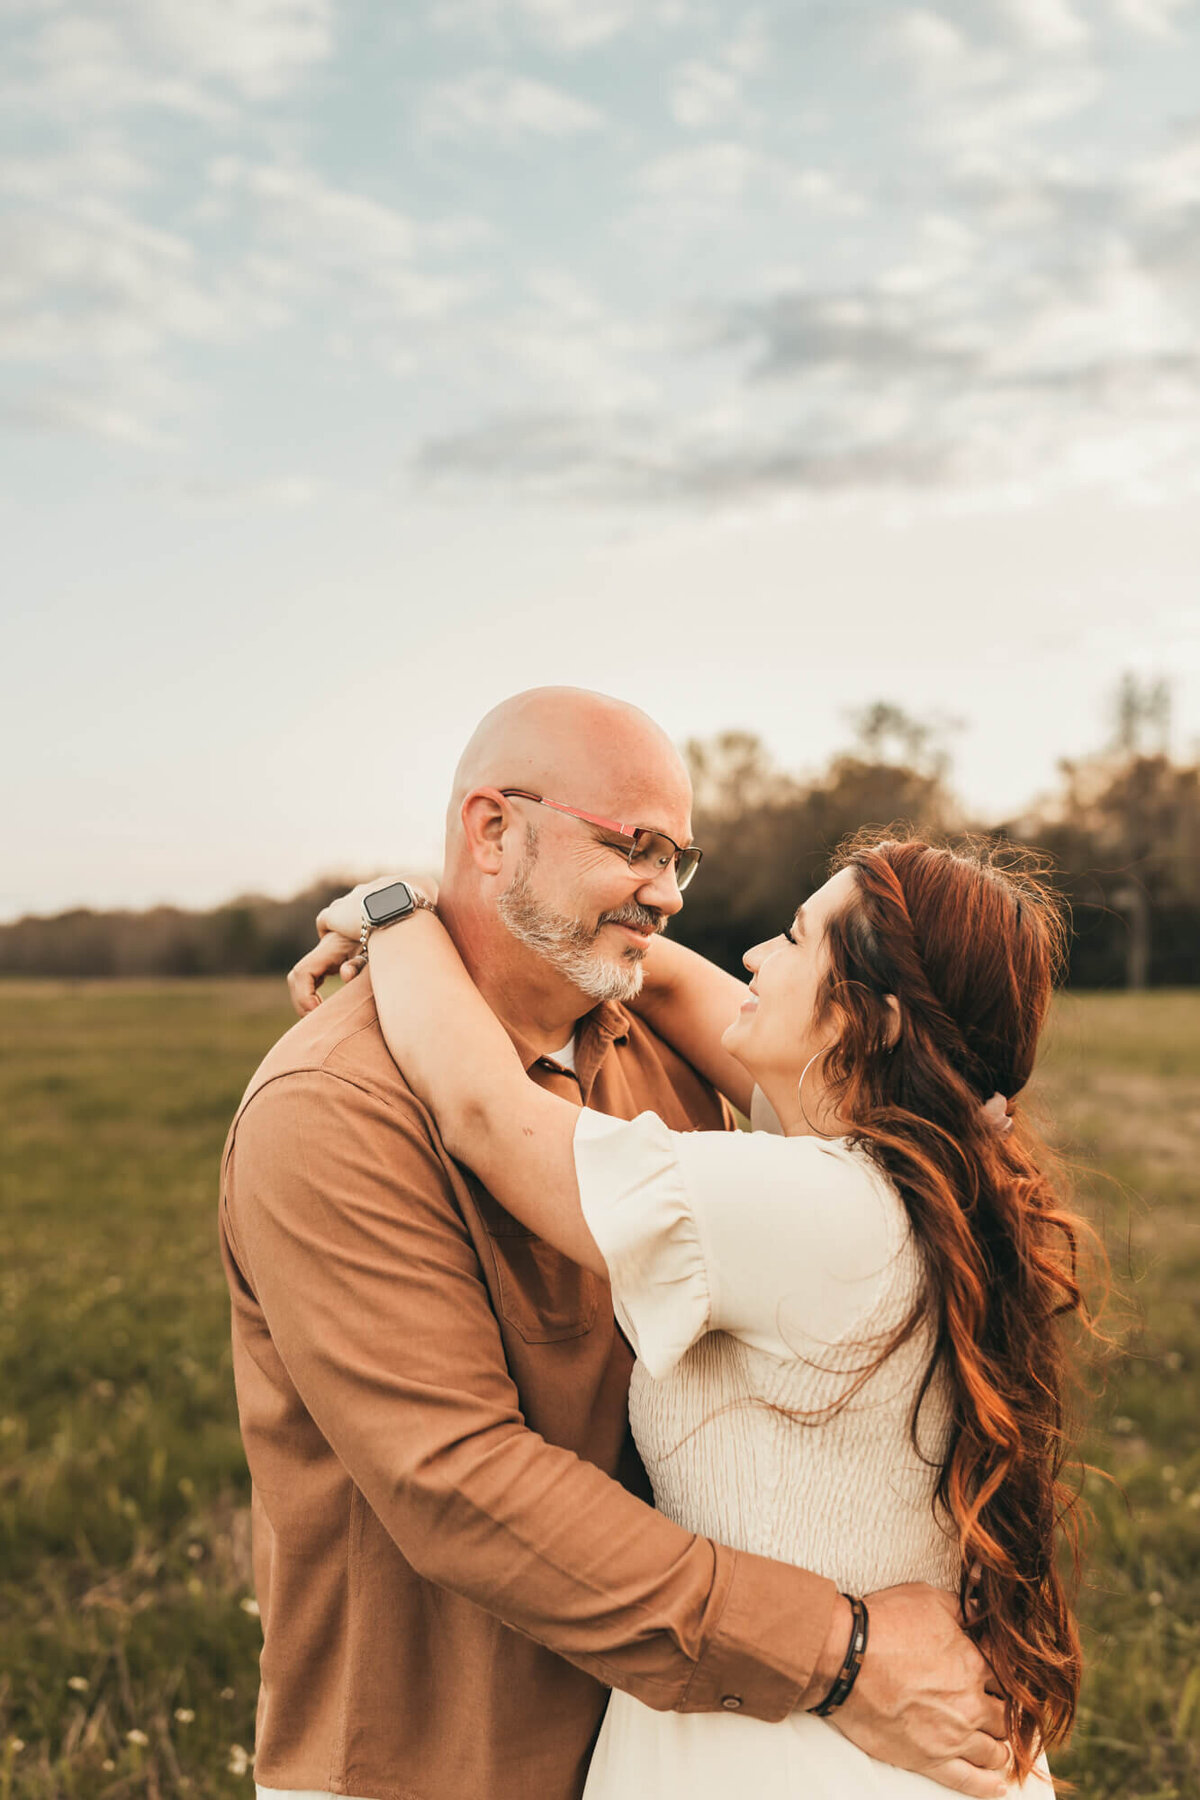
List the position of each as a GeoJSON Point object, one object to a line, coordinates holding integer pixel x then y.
{"type": "Point", "coordinates": [1121, 827]}
{"type": "Point", "coordinates": [1121, 830]}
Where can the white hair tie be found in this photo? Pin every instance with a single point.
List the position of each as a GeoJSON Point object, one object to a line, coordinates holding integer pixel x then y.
{"type": "Point", "coordinates": [996, 1115]}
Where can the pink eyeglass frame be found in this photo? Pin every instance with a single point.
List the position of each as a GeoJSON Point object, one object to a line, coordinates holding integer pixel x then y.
{"type": "Point", "coordinates": [632, 832]}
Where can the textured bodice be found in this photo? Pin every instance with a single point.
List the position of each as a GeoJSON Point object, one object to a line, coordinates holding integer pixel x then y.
{"type": "Point", "coordinates": [844, 1494]}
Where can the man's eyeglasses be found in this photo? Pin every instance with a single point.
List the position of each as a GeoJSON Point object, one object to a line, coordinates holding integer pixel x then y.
{"type": "Point", "coordinates": [649, 851]}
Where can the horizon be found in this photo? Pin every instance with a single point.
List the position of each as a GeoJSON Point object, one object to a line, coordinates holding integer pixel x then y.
{"type": "Point", "coordinates": [942, 734]}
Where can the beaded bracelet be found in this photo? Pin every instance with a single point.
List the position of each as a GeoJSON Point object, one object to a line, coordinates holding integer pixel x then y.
{"type": "Point", "coordinates": [847, 1675]}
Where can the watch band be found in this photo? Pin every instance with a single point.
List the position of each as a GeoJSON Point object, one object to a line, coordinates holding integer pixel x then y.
{"type": "Point", "coordinates": [419, 904]}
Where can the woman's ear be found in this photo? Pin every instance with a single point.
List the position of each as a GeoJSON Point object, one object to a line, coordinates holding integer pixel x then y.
{"type": "Point", "coordinates": [892, 1031]}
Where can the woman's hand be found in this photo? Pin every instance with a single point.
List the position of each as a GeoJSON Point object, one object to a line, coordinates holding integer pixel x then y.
{"type": "Point", "coordinates": [333, 952]}
{"type": "Point", "coordinates": [344, 915]}
{"type": "Point", "coordinates": [338, 927]}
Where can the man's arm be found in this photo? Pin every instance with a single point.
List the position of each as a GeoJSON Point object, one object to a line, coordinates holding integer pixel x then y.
{"type": "Point", "coordinates": [341, 1221]}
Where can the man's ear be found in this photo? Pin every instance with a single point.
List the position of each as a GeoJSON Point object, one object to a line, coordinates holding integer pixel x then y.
{"type": "Point", "coordinates": [485, 817]}
{"type": "Point", "coordinates": [895, 1018]}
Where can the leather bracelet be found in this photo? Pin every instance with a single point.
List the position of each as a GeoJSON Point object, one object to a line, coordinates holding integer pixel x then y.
{"type": "Point", "coordinates": [847, 1675]}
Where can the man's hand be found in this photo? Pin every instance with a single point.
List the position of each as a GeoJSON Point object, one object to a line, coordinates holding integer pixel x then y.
{"type": "Point", "coordinates": [925, 1698]}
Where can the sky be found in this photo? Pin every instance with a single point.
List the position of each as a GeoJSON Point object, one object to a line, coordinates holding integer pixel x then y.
{"type": "Point", "coordinates": [360, 365]}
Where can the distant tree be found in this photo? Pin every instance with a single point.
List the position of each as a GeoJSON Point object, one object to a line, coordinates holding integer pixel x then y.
{"type": "Point", "coordinates": [886, 734]}
{"type": "Point", "coordinates": [768, 836]}
{"type": "Point", "coordinates": [1125, 835]}
{"type": "Point", "coordinates": [1142, 716]}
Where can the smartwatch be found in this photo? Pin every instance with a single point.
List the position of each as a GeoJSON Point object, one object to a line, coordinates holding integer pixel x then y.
{"type": "Point", "coordinates": [386, 905]}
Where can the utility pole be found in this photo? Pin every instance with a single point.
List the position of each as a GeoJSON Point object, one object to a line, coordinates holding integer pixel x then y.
{"type": "Point", "coordinates": [1143, 712]}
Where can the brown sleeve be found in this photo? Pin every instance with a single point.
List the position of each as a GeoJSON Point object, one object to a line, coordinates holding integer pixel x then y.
{"type": "Point", "coordinates": [342, 1220]}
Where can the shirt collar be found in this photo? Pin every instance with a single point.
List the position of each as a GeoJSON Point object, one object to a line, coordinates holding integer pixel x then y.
{"type": "Point", "coordinates": [595, 1032]}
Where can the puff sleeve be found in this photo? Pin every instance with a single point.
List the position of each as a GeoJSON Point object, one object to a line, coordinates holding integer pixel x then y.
{"type": "Point", "coordinates": [732, 1231]}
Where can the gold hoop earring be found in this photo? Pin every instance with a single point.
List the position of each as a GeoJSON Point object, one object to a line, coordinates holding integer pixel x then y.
{"type": "Point", "coordinates": [800, 1096]}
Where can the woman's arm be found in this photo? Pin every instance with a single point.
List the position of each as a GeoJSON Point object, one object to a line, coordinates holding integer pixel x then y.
{"type": "Point", "coordinates": [686, 999]}
{"type": "Point", "coordinates": [337, 941]}
{"type": "Point", "coordinates": [689, 1002]}
{"type": "Point", "coordinates": [458, 1058]}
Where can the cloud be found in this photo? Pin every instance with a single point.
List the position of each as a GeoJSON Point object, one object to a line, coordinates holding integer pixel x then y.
{"type": "Point", "coordinates": [1041, 339]}
{"type": "Point", "coordinates": [1152, 18]}
{"type": "Point", "coordinates": [99, 284]}
{"type": "Point", "coordinates": [564, 343]}
{"type": "Point", "coordinates": [635, 458]}
{"type": "Point", "coordinates": [712, 177]}
{"type": "Point", "coordinates": [260, 47]}
{"type": "Point", "coordinates": [984, 101]}
{"type": "Point", "coordinates": [702, 94]}
{"type": "Point", "coordinates": [564, 25]}
{"type": "Point", "coordinates": [96, 164]}
{"type": "Point", "coordinates": [1046, 25]}
{"type": "Point", "coordinates": [936, 54]}
{"type": "Point", "coordinates": [198, 61]}
{"type": "Point", "coordinates": [97, 305]}
{"type": "Point", "coordinates": [709, 91]}
{"type": "Point", "coordinates": [113, 415]}
{"type": "Point", "coordinates": [273, 493]}
{"type": "Point", "coordinates": [312, 238]}
{"type": "Point", "coordinates": [496, 104]}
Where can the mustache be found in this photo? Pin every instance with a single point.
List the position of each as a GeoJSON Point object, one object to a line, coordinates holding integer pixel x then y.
{"type": "Point", "coordinates": [642, 918]}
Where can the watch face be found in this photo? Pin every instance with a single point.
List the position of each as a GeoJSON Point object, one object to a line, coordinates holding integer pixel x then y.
{"type": "Point", "coordinates": [388, 903]}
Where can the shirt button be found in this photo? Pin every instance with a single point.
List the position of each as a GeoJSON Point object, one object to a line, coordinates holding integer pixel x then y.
{"type": "Point", "coordinates": [732, 1702]}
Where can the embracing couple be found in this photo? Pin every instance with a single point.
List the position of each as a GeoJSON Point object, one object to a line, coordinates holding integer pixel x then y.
{"type": "Point", "coordinates": [552, 1382]}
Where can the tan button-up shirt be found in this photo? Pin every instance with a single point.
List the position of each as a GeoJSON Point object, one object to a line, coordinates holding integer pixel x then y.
{"type": "Point", "coordinates": [451, 1560]}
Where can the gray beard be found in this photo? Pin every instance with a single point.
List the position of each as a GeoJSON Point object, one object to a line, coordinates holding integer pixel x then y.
{"type": "Point", "coordinates": [571, 947]}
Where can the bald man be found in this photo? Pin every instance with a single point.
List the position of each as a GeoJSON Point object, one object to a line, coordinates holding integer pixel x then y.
{"type": "Point", "coordinates": [454, 1554]}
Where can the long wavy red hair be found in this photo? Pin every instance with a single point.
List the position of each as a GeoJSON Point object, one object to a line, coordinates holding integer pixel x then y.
{"type": "Point", "coordinates": [971, 941]}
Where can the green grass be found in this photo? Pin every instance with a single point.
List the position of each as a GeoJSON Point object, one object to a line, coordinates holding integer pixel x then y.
{"type": "Point", "coordinates": [124, 1556]}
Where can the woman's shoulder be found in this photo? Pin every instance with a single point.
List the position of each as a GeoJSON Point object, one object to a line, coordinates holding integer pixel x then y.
{"type": "Point", "coordinates": [819, 1197]}
{"type": "Point", "coordinates": [823, 1192]}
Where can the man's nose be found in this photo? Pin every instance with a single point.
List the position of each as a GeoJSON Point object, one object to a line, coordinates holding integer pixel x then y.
{"type": "Point", "coordinates": [663, 892]}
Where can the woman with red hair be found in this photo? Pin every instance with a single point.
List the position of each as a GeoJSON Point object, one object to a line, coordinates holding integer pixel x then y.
{"type": "Point", "coordinates": [864, 1296]}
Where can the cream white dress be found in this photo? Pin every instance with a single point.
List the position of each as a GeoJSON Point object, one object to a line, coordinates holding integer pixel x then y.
{"type": "Point", "coordinates": [754, 1274]}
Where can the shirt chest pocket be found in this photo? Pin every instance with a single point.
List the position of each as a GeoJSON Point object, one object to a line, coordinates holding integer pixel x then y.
{"type": "Point", "coordinates": [538, 1291]}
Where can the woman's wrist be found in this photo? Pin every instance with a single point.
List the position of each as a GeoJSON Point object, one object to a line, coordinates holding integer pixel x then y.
{"type": "Point", "coordinates": [345, 914]}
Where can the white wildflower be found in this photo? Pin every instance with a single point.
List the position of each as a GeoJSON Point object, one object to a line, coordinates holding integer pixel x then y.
{"type": "Point", "coordinates": [251, 1607]}
{"type": "Point", "coordinates": [78, 1683]}
{"type": "Point", "coordinates": [184, 1715]}
{"type": "Point", "coordinates": [239, 1762]}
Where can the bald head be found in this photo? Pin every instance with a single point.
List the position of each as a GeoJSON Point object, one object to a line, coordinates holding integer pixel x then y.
{"type": "Point", "coordinates": [587, 750]}
{"type": "Point", "coordinates": [552, 913]}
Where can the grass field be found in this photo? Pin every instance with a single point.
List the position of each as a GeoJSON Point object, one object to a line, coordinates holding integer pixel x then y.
{"type": "Point", "coordinates": [128, 1634]}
